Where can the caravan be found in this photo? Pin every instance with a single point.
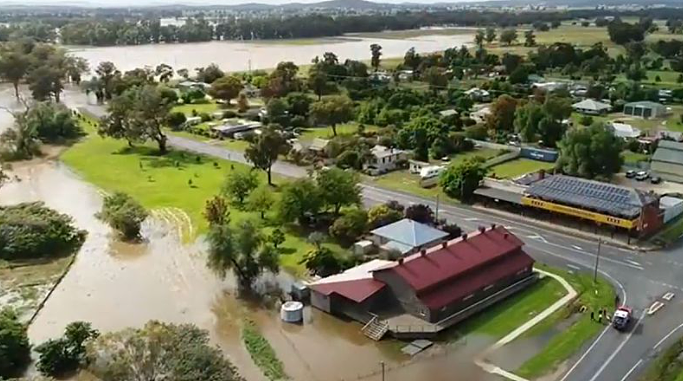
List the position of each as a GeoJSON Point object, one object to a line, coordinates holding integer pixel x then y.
{"type": "Point", "coordinates": [429, 176]}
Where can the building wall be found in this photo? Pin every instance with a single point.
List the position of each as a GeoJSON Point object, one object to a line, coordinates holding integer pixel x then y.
{"type": "Point", "coordinates": [653, 219]}
{"type": "Point", "coordinates": [321, 301]}
{"type": "Point", "coordinates": [404, 294]}
{"type": "Point", "coordinates": [663, 168]}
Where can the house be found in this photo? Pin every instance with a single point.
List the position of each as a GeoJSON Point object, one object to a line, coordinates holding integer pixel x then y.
{"type": "Point", "coordinates": [406, 236]}
{"type": "Point", "coordinates": [645, 109]}
{"type": "Point", "coordinates": [385, 159]}
{"type": "Point", "coordinates": [416, 166]}
{"type": "Point", "coordinates": [405, 75]}
{"type": "Point", "coordinates": [624, 131]}
{"type": "Point", "coordinates": [480, 115]}
{"type": "Point", "coordinates": [667, 161]}
{"type": "Point", "coordinates": [232, 127]}
{"type": "Point", "coordinates": [436, 287]}
{"type": "Point", "coordinates": [192, 85]}
{"type": "Point", "coordinates": [478, 95]}
{"type": "Point", "coordinates": [549, 86]}
{"type": "Point", "coordinates": [319, 146]}
{"type": "Point", "coordinates": [591, 107]}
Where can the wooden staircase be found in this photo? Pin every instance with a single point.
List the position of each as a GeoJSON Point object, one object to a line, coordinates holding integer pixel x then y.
{"type": "Point", "coordinates": [375, 328]}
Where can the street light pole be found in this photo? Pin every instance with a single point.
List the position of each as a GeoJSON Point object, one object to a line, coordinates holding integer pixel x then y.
{"type": "Point", "coordinates": [437, 208]}
{"type": "Point", "coordinates": [382, 364]}
{"type": "Point", "coordinates": [597, 262]}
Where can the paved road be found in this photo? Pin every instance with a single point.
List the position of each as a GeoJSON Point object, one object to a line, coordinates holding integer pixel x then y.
{"type": "Point", "coordinates": [640, 278]}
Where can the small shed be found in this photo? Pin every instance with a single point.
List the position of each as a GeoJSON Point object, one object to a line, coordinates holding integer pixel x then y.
{"type": "Point", "coordinates": [624, 131]}
{"type": "Point", "coordinates": [363, 247]}
{"type": "Point", "coordinates": [645, 109]}
{"type": "Point", "coordinates": [193, 121]}
{"type": "Point", "coordinates": [672, 206]}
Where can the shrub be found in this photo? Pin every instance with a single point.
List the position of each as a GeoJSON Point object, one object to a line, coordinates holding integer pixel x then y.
{"type": "Point", "coordinates": [347, 228]}
{"type": "Point", "coordinates": [15, 350]}
{"type": "Point", "coordinates": [420, 213]}
{"type": "Point", "coordinates": [476, 132]}
{"type": "Point", "coordinates": [124, 214]}
{"type": "Point", "coordinates": [59, 357]}
{"type": "Point", "coordinates": [205, 117]}
{"type": "Point", "coordinates": [31, 230]}
{"type": "Point", "coordinates": [586, 120]}
{"type": "Point", "coordinates": [228, 114]}
{"type": "Point", "coordinates": [381, 215]}
{"type": "Point", "coordinates": [176, 120]}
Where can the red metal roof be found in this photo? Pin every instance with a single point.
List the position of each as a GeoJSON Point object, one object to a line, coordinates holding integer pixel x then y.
{"type": "Point", "coordinates": [467, 284]}
{"type": "Point", "coordinates": [439, 265]}
{"type": "Point", "coordinates": [357, 290]}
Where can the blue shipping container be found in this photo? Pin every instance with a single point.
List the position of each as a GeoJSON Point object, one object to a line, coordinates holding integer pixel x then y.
{"type": "Point", "coordinates": [539, 154]}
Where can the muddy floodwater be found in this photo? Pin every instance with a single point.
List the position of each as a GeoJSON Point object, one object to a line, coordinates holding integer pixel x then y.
{"type": "Point", "coordinates": [241, 56]}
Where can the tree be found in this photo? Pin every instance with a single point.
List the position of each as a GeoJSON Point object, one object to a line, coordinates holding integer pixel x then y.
{"type": "Point", "coordinates": [123, 213]}
{"type": "Point", "coordinates": [139, 114]}
{"type": "Point", "coordinates": [381, 215]}
{"type": "Point", "coordinates": [299, 200]}
{"type": "Point", "coordinates": [490, 34]}
{"type": "Point", "coordinates": [420, 213]}
{"type": "Point", "coordinates": [107, 72]}
{"type": "Point", "coordinates": [45, 82]}
{"type": "Point", "coordinates": [239, 183]}
{"type": "Point", "coordinates": [508, 36]}
{"type": "Point", "coordinates": [176, 120]}
{"type": "Point", "coordinates": [529, 38]}
{"type": "Point", "coordinates": [338, 188]}
{"type": "Point", "coordinates": [242, 103]}
{"type": "Point", "coordinates": [15, 350]}
{"type": "Point", "coordinates": [216, 211]}
{"type": "Point", "coordinates": [622, 33]}
{"type": "Point", "coordinates": [527, 119]}
{"type": "Point", "coordinates": [14, 66]}
{"type": "Point", "coordinates": [277, 237]}
{"type": "Point", "coordinates": [65, 355]}
{"type": "Point", "coordinates": [322, 261]}
{"type": "Point", "coordinates": [164, 71]}
{"type": "Point", "coordinates": [261, 200]}
{"type": "Point", "coordinates": [461, 180]}
{"type": "Point", "coordinates": [242, 250]}
{"type": "Point", "coordinates": [479, 39]}
{"type": "Point", "coordinates": [453, 230]}
{"type": "Point", "coordinates": [317, 80]}
{"type": "Point", "coordinates": [332, 111]}
{"type": "Point", "coordinates": [209, 74]}
{"type": "Point", "coordinates": [590, 152]}
{"type": "Point", "coordinates": [436, 78]}
{"type": "Point", "coordinates": [502, 115]}
{"type": "Point", "coordinates": [264, 151]}
{"type": "Point", "coordinates": [376, 51]}
{"type": "Point", "coordinates": [276, 109]}
{"type": "Point", "coordinates": [159, 351]}
{"type": "Point", "coordinates": [298, 104]}
{"type": "Point", "coordinates": [351, 225]}
{"type": "Point", "coordinates": [412, 60]}
{"type": "Point", "coordinates": [226, 88]}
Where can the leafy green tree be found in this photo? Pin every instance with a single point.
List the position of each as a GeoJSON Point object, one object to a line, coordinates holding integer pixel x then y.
{"type": "Point", "coordinates": [14, 66]}
{"type": "Point", "coordinates": [527, 119]}
{"type": "Point", "coordinates": [376, 51]}
{"type": "Point", "coordinates": [461, 180]}
{"type": "Point", "coordinates": [264, 151]}
{"type": "Point", "coordinates": [317, 80]}
{"type": "Point", "coordinates": [381, 215]}
{"type": "Point", "coordinates": [107, 72]}
{"type": "Point", "coordinates": [490, 34]}
{"type": "Point", "coordinates": [159, 351]}
{"type": "Point", "coordinates": [519, 75]}
{"type": "Point", "coordinates": [164, 71]}
{"type": "Point", "coordinates": [508, 36]}
{"type": "Point", "coordinates": [239, 183]}
{"type": "Point", "coordinates": [15, 350]}
{"type": "Point", "coordinates": [502, 115]}
{"type": "Point", "coordinates": [31, 230]}
{"type": "Point", "coordinates": [298, 104]}
{"type": "Point", "coordinates": [226, 88]}
{"type": "Point", "coordinates": [351, 225]}
{"type": "Point", "coordinates": [321, 260]}
{"type": "Point", "coordinates": [412, 60]}
{"type": "Point", "coordinates": [299, 200]}
{"type": "Point", "coordinates": [421, 213]}
{"type": "Point", "coordinates": [139, 114]}
{"type": "Point", "coordinates": [332, 111]}
{"type": "Point", "coordinates": [52, 122]}
{"type": "Point", "coordinates": [209, 74]}
{"type": "Point", "coordinates": [21, 141]}
{"type": "Point", "coordinates": [479, 39]}
{"type": "Point", "coordinates": [529, 38]}
{"type": "Point", "coordinates": [338, 188]}
{"type": "Point", "coordinates": [216, 211]}
{"type": "Point", "coordinates": [436, 78]}
{"type": "Point", "coordinates": [242, 103]}
{"type": "Point", "coordinates": [242, 250]}
{"type": "Point", "coordinates": [261, 200]}
{"type": "Point", "coordinates": [45, 82]}
{"type": "Point", "coordinates": [590, 152]}
{"type": "Point", "coordinates": [123, 213]}
{"type": "Point", "coordinates": [277, 237]}
{"type": "Point", "coordinates": [59, 357]}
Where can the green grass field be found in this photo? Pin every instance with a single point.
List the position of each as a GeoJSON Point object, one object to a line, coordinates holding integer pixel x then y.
{"type": "Point", "coordinates": [200, 108]}
{"type": "Point", "coordinates": [164, 181]}
{"type": "Point", "coordinates": [565, 344]}
{"type": "Point", "coordinates": [634, 158]}
{"type": "Point", "coordinates": [412, 33]}
{"type": "Point", "coordinates": [519, 167]}
{"type": "Point", "coordinates": [326, 132]}
{"type": "Point", "coordinates": [671, 233]}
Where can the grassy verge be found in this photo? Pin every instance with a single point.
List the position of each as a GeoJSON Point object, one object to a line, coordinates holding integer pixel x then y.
{"type": "Point", "coordinates": [668, 366]}
{"type": "Point", "coordinates": [519, 167]}
{"type": "Point", "coordinates": [565, 344]}
{"type": "Point", "coordinates": [262, 353]}
{"type": "Point", "coordinates": [671, 233]}
{"type": "Point", "coordinates": [634, 158]}
{"type": "Point", "coordinates": [179, 180]}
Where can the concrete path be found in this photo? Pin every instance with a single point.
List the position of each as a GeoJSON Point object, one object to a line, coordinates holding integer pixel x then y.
{"type": "Point", "coordinates": [493, 369]}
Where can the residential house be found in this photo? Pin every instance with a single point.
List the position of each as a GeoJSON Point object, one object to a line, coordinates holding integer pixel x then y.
{"type": "Point", "coordinates": [384, 159]}
{"type": "Point", "coordinates": [591, 107]}
{"type": "Point", "coordinates": [319, 146]}
{"type": "Point", "coordinates": [406, 236]}
{"type": "Point", "coordinates": [624, 131]}
{"type": "Point", "coordinates": [645, 109]}
{"type": "Point", "coordinates": [478, 95]}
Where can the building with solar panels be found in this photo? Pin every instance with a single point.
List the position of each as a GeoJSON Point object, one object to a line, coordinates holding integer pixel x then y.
{"type": "Point", "coordinates": [630, 209]}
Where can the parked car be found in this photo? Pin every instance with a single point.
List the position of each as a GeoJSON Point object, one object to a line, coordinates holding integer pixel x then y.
{"type": "Point", "coordinates": [622, 318]}
{"type": "Point", "coordinates": [630, 174]}
{"type": "Point", "coordinates": [655, 179]}
{"type": "Point", "coordinates": [642, 175]}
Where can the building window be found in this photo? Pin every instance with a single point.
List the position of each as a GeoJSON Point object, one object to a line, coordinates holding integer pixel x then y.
{"type": "Point", "coordinates": [468, 297]}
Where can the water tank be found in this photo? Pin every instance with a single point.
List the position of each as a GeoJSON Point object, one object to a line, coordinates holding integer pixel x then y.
{"type": "Point", "coordinates": [292, 312]}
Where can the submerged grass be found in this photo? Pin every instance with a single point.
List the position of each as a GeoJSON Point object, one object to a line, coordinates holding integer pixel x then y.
{"type": "Point", "coordinates": [262, 352]}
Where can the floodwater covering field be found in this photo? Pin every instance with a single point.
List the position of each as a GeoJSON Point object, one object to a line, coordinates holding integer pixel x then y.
{"type": "Point", "coordinates": [241, 56]}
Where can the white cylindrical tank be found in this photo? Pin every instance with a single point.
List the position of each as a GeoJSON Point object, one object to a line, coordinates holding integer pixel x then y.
{"type": "Point", "coordinates": [292, 312]}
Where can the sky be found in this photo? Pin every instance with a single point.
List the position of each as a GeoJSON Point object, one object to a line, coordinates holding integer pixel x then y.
{"type": "Point", "coordinates": [119, 3]}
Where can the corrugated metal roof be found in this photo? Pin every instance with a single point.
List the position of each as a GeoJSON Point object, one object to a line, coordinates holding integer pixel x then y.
{"type": "Point", "coordinates": [590, 104]}
{"type": "Point", "coordinates": [409, 232]}
{"type": "Point", "coordinates": [589, 194]}
{"type": "Point", "coordinates": [356, 290]}
{"type": "Point", "coordinates": [669, 152]}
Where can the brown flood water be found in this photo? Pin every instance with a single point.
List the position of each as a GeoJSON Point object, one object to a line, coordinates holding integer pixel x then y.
{"type": "Point", "coordinates": [115, 285]}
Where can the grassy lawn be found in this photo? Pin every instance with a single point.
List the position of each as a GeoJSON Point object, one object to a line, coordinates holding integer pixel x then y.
{"type": "Point", "coordinates": [262, 353]}
{"type": "Point", "coordinates": [503, 317]}
{"type": "Point", "coordinates": [565, 344]}
{"type": "Point", "coordinates": [164, 182]}
{"type": "Point", "coordinates": [200, 108]}
{"type": "Point", "coordinates": [634, 158]}
{"type": "Point", "coordinates": [667, 366]}
{"type": "Point", "coordinates": [670, 234]}
{"type": "Point", "coordinates": [519, 167]}
{"type": "Point", "coordinates": [412, 33]}
{"type": "Point", "coordinates": [326, 132]}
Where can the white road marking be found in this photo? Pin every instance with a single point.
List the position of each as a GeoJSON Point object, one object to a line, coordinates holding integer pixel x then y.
{"type": "Point", "coordinates": [573, 267]}
{"type": "Point", "coordinates": [633, 262]}
{"type": "Point", "coordinates": [632, 369]}
{"type": "Point", "coordinates": [616, 352]}
{"type": "Point", "coordinates": [667, 336]}
{"type": "Point", "coordinates": [538, 237]}
{"type": "Point", "coordinates": [668, 296]}
{"type": "Point", "coordinates": [577, 247]}
{"type": "Point", "coordinates": [471, 219]}
{"type": "Point", "coordinates": [604, 331]}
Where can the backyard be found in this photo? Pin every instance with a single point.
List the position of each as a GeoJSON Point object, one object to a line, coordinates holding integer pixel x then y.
{"type": "Point", "coordinates": [518, 167]}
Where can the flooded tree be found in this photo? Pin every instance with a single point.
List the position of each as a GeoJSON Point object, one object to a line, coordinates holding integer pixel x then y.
{"type": "Point", "coordinates": [123, 213]}
{"type": "Point", "coordinates": [65, 355]}
{"type": "Point", "coordinates": [243, 249]}
{"type": "Point", "coordinates": [159, 351]}
{"type": "Point", "coordinates": [15, 350]}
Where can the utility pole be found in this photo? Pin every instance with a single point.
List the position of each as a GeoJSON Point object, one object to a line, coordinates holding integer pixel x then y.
{"type": "Point", "coordinates": [381, 363]}
{"type": "Point", "coordinates": [437, 208]}
{"type": "Point", "coordinates": [597, 262]}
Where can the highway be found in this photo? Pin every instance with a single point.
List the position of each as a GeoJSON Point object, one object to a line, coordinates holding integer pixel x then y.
{"type": "Point", "coordinates": [639, 278]}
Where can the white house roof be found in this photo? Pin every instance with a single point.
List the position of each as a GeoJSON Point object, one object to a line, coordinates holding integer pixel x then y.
{"type": "Point", "coordinates": [624, 130]}
{"type": "Point", "coordinates": [318, 144]}
{"type": "Point", "coordinates": [379, 151]}
{"type": "Point", "coordinates": [363, 271]}
{"type": "Point", "coordinates": [449, 112]}
{"type": "Point", "coordinates": [590, 104]}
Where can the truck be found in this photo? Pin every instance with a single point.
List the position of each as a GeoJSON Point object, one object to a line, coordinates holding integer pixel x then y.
{"type": "Point", "coordinates": [622, 318]}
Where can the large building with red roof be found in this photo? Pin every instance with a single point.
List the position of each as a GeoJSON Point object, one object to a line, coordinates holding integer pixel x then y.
{"type": "Point", "coordinates": [434, 284]}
